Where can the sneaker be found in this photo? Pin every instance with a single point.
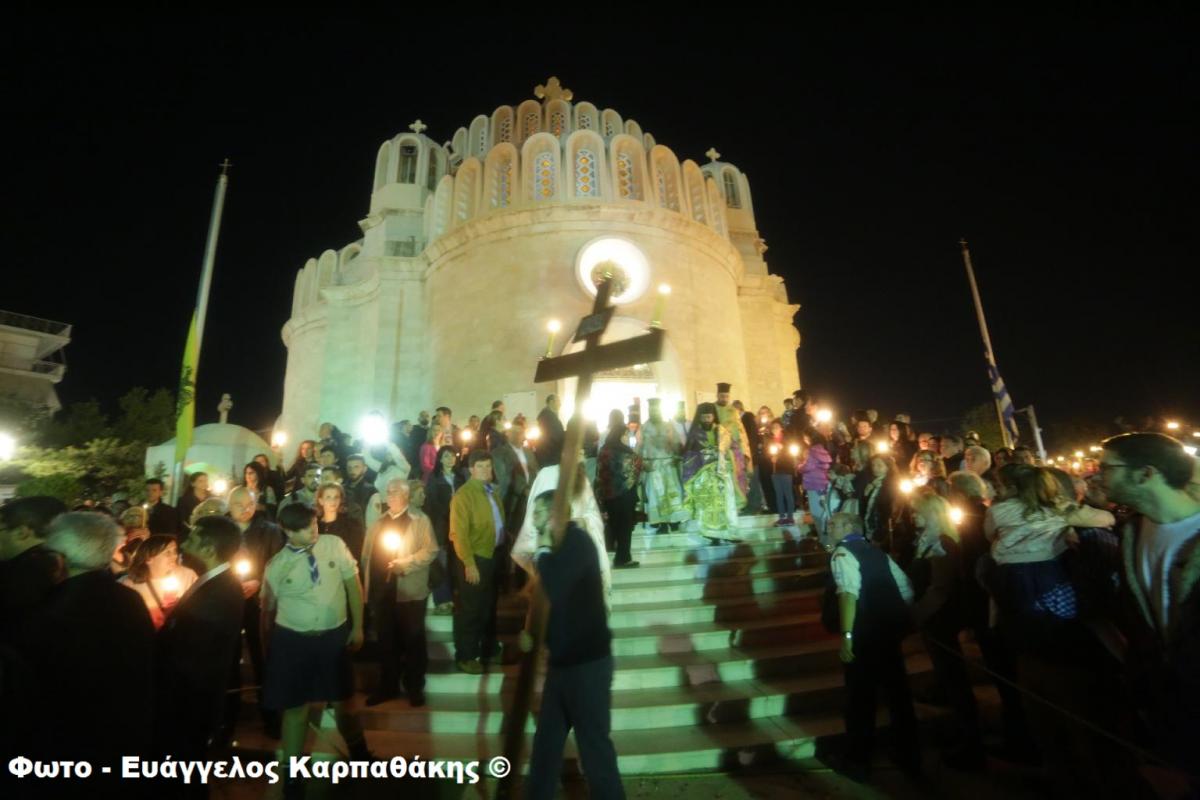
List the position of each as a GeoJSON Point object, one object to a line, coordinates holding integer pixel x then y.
{"type": "Point", "coordinates": [781, 522]}
{"type": "Point", "coordinates": [791, 520]}
{"type": "Point", "coordinates": [472, 667]}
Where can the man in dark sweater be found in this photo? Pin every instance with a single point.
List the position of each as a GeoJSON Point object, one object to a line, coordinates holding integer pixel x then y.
{"type": "Point", "coordinates": [867, 603]}
{"type": "Point", "coordinates": [578, 689]}
{"type": "Point", "coordinates": [28, 571]}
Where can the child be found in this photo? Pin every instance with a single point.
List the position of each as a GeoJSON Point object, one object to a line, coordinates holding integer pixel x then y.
{"type": "Point", "coordinates": [308, 586]}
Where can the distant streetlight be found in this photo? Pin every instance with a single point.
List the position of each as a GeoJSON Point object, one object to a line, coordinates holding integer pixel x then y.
{"type": "Point", "coordinates": [1172, 426]}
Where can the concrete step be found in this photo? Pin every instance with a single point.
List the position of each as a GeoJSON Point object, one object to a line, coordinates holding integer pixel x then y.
{"type": "Point", "coordinates": [730, 566]}
{"type": "Point", "coordinates": [635, 611]}
{"type": "Point", "coordinates": [654, 670]}
{"type": "Point", "coordinates": [706, 552]}
{"type": "Point", "coordinates": [649, 639]}
{"type": "Point", "coordinates": [690, 589]}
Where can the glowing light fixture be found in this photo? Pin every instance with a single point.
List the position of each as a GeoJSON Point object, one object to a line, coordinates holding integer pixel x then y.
{"type": "Point", "coordinates": [630, 270]}
{"type": "Point", "coordinates": [279, 438]}
{"type": "Point", "coordinates": [373, 429]}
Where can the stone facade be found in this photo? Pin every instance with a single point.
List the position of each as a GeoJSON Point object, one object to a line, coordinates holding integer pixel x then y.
{"type": "Point", "coordinates": [471, 247]}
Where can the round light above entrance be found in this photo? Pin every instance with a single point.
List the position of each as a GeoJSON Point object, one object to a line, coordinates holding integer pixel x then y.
{"type": "Point", "coordinates": [631, 271]}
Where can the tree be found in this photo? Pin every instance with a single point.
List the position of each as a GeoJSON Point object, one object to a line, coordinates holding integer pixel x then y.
{"type": "Point", "coordinates": [79, 423]}
{"type": "Point", "coordinates": [147, 418]}
{"type": "Point", "coordinates": [100, 467]}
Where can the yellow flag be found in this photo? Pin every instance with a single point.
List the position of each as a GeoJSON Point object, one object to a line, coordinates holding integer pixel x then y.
{"type": "Point", "coordinates": [185, 401]}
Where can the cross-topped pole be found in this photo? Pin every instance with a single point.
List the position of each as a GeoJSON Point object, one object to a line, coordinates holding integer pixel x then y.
{"type": "Point", "coordinates": [584, 364]}
{"type": "Point", "coordinates": [712, 154]}
{"type": "Point", "coordinates": [417, 127]}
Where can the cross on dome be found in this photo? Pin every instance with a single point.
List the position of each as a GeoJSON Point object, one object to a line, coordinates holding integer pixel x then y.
{"type": "Point", "coordinates": [417, 127]}
{"type": "Point", "coordinates": [712, 154]}
{"type": "Point", "coordinates": [553, 90]}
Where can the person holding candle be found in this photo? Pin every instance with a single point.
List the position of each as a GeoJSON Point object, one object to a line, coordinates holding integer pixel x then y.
{"type": "Point", "coordinates": [261, 539]}
{"type": "Point", "coordinates": [878, 499]}
{"type": "Point", "coordinates": [781, 453]}
{"type": "Point", "coordinates": [439, 490]}
{"type": "Point", "coordinates": [814, 465]}
{"type": "Point", "coordinates": [157, 576]}
{"type": "Point", "coordinates": [399, 549]}
{"type": "Point", "coordinates": [312, 621]}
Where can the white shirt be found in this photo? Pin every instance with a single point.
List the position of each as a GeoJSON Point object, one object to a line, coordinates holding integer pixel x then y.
{"type": "Point", "coordinates": [1157, 548]}
{"type": "Point", "coordinates": [524, 461]}
{"type": "Point", "coordinates": [848, 576]}
{"type": "Point", "coordinates": [302, 605]}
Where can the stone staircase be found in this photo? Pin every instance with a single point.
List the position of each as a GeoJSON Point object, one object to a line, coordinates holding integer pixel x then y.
{"type": "Point", "coordinates": [721, 662]}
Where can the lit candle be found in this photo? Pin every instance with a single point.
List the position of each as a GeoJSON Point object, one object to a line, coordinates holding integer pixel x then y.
{"type": "Point", "coordinates": [659, 304]}
{"type": "Point", "coordinates": [1191, 451]}
{"type": "Point", "coordinates": [391, 540]}
{"type": "Point", "coordinates": [553, 327]}
{"type": "Point", "coordinates": [763, 419]}
{"type": "Point", "coordinates": [920, 480]}
{"type": "Point", "coordinates": [1172, 426]}
{"type": "Point", "coordinates": [774, 449]}
{"type": "Point", "coordinates": [242, 567]}
{"type": "Point", "coordinates": [507, 425]}
{"type": "Point", "coordinates": [533, 433]}
{"type": "Point", "coordinates": [220, 485]}
{"type": "Point", "coordinates": [170, 587]}
{"type": "Point", "coordinates": [1079, 454]}
{"type": "Point", "coordinates": [1076, 466]}
{"type": "Point", "coordinates": [882, 447]}
{"type": "Point", "coordinates": [824, 415]}
{"type": "Point", "coordinates": [467, 435]}
{"type": "Point", "coordinates": [906, 486]}
{"type": "Point", "coordinates": [956, 515]}
{"type": "Point", "coordinates": [278, 438]}
{"type": "Point", "coordinates": [794, 449]}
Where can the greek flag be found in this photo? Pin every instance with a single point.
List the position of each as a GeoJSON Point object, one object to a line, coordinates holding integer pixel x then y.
{"type": "Point", "coordinates": [1003, 401]}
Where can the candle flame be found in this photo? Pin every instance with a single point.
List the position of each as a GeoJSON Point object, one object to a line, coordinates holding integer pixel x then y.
{"type": "Point", "coordinates": [242, 567]}
{"type": "Point", "coordinates": [906, 486]}
{"type": "Point", "coordinates": [554, 326]}
{"type": "Point", "coordinates": [956, 515]}
{"type": "Point", "coordinates": [391, 540]}
{"type": "Point", "coordinates": [170, 584]}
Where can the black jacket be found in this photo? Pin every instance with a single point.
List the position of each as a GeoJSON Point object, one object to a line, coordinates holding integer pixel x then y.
{"type": "Point", "coordinates": [90, 649]}
{"type": "Point", "coordinates": [195, 648]}
{"type": "Point", "coordinates": [25, 581]}
{"type": "Point", "coordinates": [437, 506]}
{"type": "Point", "coordinates": [261, 541]}
{"type": "Point", "coordinates": [549, 448]}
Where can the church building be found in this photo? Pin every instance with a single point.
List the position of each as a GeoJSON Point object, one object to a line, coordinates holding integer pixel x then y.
{"type": "Point", "coordinates": [473, 248]}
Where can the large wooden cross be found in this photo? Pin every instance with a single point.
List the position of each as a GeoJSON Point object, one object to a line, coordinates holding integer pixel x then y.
{"type": "Point", "coordinates": [593, 358]}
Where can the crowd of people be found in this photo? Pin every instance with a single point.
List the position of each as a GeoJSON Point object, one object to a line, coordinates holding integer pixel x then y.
{"type": "Point", "coordinates": [1077, 588]}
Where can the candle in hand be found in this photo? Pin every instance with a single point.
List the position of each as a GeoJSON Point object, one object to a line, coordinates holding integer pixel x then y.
{"type": "Point", "coordinates": [391, 541]}
{"type": "Point", "coordinates": [906, 486]}
{"type": "Point", "coordinates": [794, 450]}
{"type": "Point", "coordinates": [242, 567]}
{"type": "Point", "coordinates": [170, 587]}
{"type": "Point", "coordinates": [956, 515]}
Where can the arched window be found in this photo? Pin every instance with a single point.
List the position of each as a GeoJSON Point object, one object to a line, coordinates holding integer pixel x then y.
{"type": "Point", "coordinates": [558, 118]}
{"type": "Point", "coordinates": [586, 117]}
{"type": "Point", "coordinates": [406, 171]}
{"type": "Point", "coordinates": [499, 186]}
{"type": "Point", "coordinates": [612, 123]}
{"type": "Point", "coordinates": [693, 180]}
{"type": "Point", "coordinates": [587, 175]}
{"type": "Point", "coordinates": [502, 125]}
{"type": "Point", "coordinates": [466, 191]}
{"type": "Point", "coordinates": [627, 178]}
{"type": "Point", "coordinates": [545, 180]}
{"type": "Point", "coordinates": [381, 164]}
{"type": "Point", "coordinates": [665, 171]}
{"type": "Point", "coordinates": [529, 121]}
{"type": "Point", "coordinates": [431, 175]}
{"type": "Point", "coordinates": [716, 205]}
{"type": "Point", "coordinates": [732, 196]}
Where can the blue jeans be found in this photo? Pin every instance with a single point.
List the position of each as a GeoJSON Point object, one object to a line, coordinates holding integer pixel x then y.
{"type": "Point", "coordinates": [785, 495]}
{"type": "Point", "coordinates": [818, 509]}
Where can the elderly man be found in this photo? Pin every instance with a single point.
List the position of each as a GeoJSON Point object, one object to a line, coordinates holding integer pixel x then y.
{"type": "Point", "coordinates": [977, 459]}
{"type": "Point", "coordinates": [260, 540]}
{"type": "Point", "coordinates": [90, 638]}
{"type": "Point", "coordinates": [399, 549]}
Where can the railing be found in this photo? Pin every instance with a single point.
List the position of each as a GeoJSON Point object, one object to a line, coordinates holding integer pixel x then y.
{"type": "Point", "coordinates": [15, 320]}
{"type": "Point", "coordinates": [53, 369]}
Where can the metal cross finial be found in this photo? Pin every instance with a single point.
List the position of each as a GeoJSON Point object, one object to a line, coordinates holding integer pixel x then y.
{"type": "Point", "coordinates": [553, 90]}
{"type": "Point", "coordinates": [225, 165]}
{"type": "Point", "coordinates": [417, 127]}
{"type": "Point", "coordinates": [712, 154]}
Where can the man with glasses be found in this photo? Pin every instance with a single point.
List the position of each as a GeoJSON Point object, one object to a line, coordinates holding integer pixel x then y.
{"type": "Point", "coordinates": [1160, 573]}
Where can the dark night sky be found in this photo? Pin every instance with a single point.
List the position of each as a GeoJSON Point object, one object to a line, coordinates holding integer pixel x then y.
{"type": "Point", "coordinates": [1064, 150]}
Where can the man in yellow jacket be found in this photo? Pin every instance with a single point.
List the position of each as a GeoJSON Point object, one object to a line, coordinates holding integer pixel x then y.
{"type": "Point", "coordinates": [476, 531]}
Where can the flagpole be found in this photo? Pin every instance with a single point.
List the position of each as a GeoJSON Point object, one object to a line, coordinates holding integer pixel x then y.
{"type": "Point", "coordinates": [186, 401]}
{"type": "Point", "coordinates": [983, 331]}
